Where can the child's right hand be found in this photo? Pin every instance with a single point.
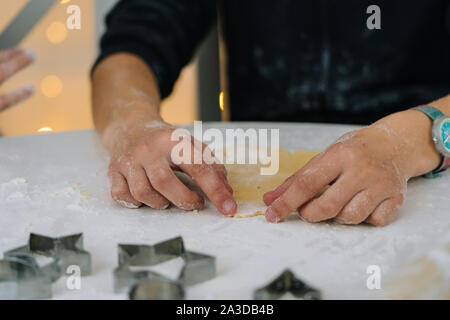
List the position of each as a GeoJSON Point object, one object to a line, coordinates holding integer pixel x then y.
{"type": "Point", "coordinates": [141, 170]}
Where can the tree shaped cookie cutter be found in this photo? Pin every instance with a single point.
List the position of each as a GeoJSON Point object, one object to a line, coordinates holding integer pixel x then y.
{"type": "Point", "coordinates": [152, 285]}
{"type": "Point", "coordinates": [285, 283]}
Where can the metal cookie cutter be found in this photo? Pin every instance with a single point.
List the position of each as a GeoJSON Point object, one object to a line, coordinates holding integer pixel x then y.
{"type": "Point", "coordinates": [286, 282]}
{"type": "Point", "coordinates": [22, 278]}
{"type": "Point", "coordinates": [151, 285]}
{"type": "Point", "coordinates": [61, 252]}
{"type": "Point", "coordinates": [157, 290]}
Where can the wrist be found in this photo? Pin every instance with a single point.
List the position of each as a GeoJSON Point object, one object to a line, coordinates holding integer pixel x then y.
{"type": "Point", "coordinates": [416, 151]}
{"type": "Point", "coordinates": [134, 124]}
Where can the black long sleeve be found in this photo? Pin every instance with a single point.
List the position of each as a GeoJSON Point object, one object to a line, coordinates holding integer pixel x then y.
{"type": "Point", "coordinates": [163, 33]}
{"type": "Point", "coordinates": [298, 60]}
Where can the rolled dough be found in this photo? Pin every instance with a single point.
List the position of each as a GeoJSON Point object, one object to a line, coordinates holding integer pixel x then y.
{"type": "Point", "coordinates": [249, 184]}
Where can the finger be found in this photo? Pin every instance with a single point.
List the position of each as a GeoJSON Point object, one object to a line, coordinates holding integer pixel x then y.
{"type": "Point", "coordinates": [120, 191]}
{"type": "Point", "coordinates": [206, 176]}
{"type": "Point", "coordinates": [15, 64]}
{"type": "Point", "coordinates": [15, 97]}
{"type": "Point", "coordinates": [332, 201]}
{"type": "Point", "coordinates": [213, 186]}
{"type": "Point", "coordinates": [304, 186]}
{"type": "Point", "coordinates": [168, 185]}
{"type": "Point", "coordinates": [142, 191]}
{"type": "Point", "coordinates": [223, 176]}
{"type": "Point", "coordinates": [271, 196]}
{"type": "Point", "coordinates": [8, 54]}
{"type": "Point", "coordinates": [360, 207]}
{"type": "Point", "coordinates": [210, 158]}
{"type": "Point", "coordinates": [386, 212]}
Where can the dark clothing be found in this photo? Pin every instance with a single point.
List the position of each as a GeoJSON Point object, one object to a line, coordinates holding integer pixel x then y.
{"type": "Point", "coordinates": [298, 60]}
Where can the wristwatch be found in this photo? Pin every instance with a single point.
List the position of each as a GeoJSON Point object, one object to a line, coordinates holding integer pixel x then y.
{"type": "Point", "coordinates": [441, 136]}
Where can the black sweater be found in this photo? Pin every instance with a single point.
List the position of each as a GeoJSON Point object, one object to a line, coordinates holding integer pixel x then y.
{"type": "Point", "coordinates": [298, 60]}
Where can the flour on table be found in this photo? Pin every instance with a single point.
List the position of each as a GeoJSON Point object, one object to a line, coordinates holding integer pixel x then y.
{"type": "Point", "coordinates": [14, 190]}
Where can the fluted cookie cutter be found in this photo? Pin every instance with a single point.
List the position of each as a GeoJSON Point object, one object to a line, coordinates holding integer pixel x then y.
{"type": "Point", "coordinates": [21, 278]}
{"type": "Point", "coordinates": [61, 252]}
{"type": "Point", "coordinates": [285, 283]}
{"type": "Point", "coordinates": [197, 268]}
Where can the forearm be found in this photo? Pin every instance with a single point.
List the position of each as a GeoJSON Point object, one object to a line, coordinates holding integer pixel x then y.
{"type": "Point", "coordinates": [415, 149]}
{"type": "Point", "coordinates": [125, 95]}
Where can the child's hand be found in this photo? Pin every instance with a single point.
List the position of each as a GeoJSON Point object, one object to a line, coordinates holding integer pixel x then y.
{"type": "Point", "coordinates": [141, 171]}
{"type": "Point", "coordinates": [367, 169]}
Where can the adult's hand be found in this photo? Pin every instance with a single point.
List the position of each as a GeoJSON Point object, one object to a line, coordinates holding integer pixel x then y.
{"type": "Point", "coordinates": [367, 171]}
{"type": "Point", "coordinates": [11, 62]}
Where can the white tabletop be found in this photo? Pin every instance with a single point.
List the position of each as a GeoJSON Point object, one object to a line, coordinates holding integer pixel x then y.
{"type": "Point", "coordinates": [55, 184]}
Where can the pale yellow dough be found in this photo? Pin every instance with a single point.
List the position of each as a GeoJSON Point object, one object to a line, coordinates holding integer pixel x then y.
{"type": "Point", "coordinates": [248, 183]}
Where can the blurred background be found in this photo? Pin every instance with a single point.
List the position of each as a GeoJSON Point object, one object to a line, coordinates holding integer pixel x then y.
{"type": "Point", "coordinates": [60, 73]}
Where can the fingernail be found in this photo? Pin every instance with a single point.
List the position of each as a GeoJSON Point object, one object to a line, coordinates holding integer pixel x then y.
{"type": "Point", "coordinates": [229, 207]}
{"type": "Point", "coordinates": [271, 215]}
{"type": "Point", "coordinates": [29, 54]}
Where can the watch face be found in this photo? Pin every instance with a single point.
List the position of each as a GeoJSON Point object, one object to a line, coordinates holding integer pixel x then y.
{"type": "Point", "coordinates": [441, 135]}
{"type": "Point", "coordinates": [445, 133]}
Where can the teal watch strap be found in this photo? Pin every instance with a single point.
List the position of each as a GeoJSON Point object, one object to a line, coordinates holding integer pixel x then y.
{"type": "Point", "coordinates": [434, 113]}
{"type": "Point", "coordinates": [430, 111]}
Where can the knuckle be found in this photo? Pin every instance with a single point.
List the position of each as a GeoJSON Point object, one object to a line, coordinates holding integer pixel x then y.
{"type": "Point", "coordinates": [280, 206]}
{"type": "Point", "coordinates": [147, 145]}
{"type": "Point", "coordinates": [351, 216]}
{"type": "Point", "coordinates": [302, 185]}
{"type": "Point", "coordinates": [305, 216]}
{"type": "Point", "coordinates": [140, 193]}
{"type": "Point", "coordinates": [344, 149]}
{"type": "Point", "coordinates": [199, 170]}
{"type": "Point", "coordinates": [218, 191]}
{"type": "Point", "coordinates": [160, 177]}
{"type": "Point", "coordinates": [326, 208]}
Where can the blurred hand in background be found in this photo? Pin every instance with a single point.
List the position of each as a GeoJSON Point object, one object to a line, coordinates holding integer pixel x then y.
{"type": "Point", "coordinates": [11, 62]}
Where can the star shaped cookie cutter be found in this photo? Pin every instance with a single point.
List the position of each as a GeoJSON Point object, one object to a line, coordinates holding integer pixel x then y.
{"type": "Point", "coordinates": [21, 278]}
{"type": "Point", "coordinates": [152, 285]}
{"type": "Point", "coordinates": [61, 252]}
{"type": "Point", "coordinates": [287, 282]}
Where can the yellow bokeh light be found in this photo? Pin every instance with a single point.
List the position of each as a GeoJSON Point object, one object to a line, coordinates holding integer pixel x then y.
{"type": "Point", "coordinates": [51, 86]}
{"type": "Point", "coordinates": [45, 129]}
{"type": "Point", "coordinates": [64, 1]}
{"type": "Point", "coordinates": [221, 100]}
{"type": "Point", "coordinates": [56, 32]}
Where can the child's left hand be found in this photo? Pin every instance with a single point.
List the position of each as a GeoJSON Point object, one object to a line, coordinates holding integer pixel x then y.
{"type": "Point", "coordinates": [367, 171]}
